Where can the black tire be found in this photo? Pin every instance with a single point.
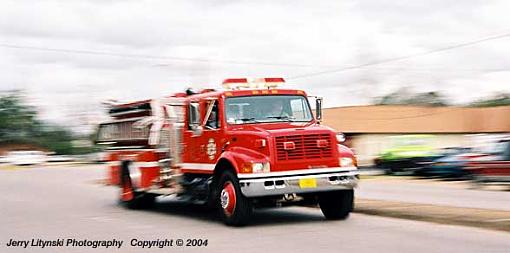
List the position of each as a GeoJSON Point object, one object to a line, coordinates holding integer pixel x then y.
{"type": "Point", "coordinates": [139, 200]}
{"type": "Point", "coordinates": [336, 205]}
{"type": "Point", "coordinates": [242, 207]}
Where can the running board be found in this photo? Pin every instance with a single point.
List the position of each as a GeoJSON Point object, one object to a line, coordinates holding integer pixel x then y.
{"type": "Point", "coordinates": [164, 191]}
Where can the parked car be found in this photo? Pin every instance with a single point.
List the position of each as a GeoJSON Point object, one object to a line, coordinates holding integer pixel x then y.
{"type": "Point", "coordinates": [31, 157]}
{"type": "Point", "coordinates": [494, 168]}
{"type": "Point", "coordinates": [407, 153]}
{"type": "Point", "coordinates": [60, 158]}
{"type": "Point", "coordinates": [453, 151]}
{"type": "Point", "coordinates": [4, 159]}
{"type": "Point", "coordinates": [450, 166]}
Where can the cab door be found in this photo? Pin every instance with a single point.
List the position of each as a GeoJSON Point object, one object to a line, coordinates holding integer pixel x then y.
{"type": "Point", "coordinates": [192, 135]}
{"type": "Point", "coordinates": [212, 140]}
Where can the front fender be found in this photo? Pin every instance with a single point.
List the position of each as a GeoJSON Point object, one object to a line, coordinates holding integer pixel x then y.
{"type": "Point", "coordinates": [344, 151]}
{"type": "Point", "coordinates": [238, 156]}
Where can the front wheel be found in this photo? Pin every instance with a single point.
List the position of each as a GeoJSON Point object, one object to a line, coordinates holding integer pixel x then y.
{"type": "Point", "coordinates": [235, 209]}
{"type": "Point", "coordinates": [336, 205]}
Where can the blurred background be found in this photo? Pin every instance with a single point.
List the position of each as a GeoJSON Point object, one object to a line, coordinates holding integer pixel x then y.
{"type": "Point", "coordinates": [421, 90]}
{"type": "Point", "coordinates": [391, 73]}
{"type": "Point", "coordinates": [409, 84]}
{"type": "Point", "coordinates": [385, 69]}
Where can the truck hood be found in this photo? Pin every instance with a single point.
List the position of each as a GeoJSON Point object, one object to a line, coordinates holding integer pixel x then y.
{"type": "Point", "coordinates": [244, 136]}
{"type": "Point", "coordinates": [275, 129]}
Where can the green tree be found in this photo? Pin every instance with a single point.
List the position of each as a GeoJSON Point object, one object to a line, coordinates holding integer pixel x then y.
{"type": "Point", "coordinates": [496, 100]}
{"type": "Point", "coordinates": [19, 124]}
{"type": "Point", "coordinates": [17, 121]}
{"type": "Point", "coordinates": [405, 97]}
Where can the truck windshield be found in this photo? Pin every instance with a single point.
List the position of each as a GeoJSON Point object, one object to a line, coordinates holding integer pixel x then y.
{"type": "Point", "coordinates": [266, 109]}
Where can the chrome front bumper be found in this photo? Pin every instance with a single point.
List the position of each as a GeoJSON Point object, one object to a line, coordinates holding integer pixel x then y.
{"type": "Point", "coordinates": [299, 181]}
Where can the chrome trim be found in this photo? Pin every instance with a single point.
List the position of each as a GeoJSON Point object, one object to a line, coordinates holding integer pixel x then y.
{"type": "Point", "coordinates": [299, 177]}
{"type": "Point", "coordinates": [297, 172]}
{"type": "Point", "coordinates": [289, 184]}
{"type": "Point", "coordinates": [197, 166]}
{"type": "Point", "coordinates": [147, 164]}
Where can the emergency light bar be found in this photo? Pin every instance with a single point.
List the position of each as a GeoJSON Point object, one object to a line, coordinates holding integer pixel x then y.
{"type": "Point", "coordinates": [253, 83]}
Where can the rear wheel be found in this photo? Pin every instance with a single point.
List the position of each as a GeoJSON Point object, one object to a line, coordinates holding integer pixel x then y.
{"type": "Point", "coordinates": [235, 209]}
{"type": "Point", "coordinates": [336, 205]}
{"type": "Point", "coordinates": [130, 197]}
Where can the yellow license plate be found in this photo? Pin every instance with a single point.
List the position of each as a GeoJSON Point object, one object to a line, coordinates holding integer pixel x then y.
{"type": "Point", "coordinates": [307, 183]}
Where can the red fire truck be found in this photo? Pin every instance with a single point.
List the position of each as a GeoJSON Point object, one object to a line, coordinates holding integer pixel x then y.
{"type": "Point", "coordinates": [248, 145]}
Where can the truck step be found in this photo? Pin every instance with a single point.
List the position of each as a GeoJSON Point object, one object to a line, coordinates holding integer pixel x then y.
{"type": "Point", "coordinates": [165, 191]}
{"type": "Point", "coordinates": [166, 178]}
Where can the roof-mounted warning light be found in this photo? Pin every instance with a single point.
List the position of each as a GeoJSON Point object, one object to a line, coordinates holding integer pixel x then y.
{"type": "Point", "coordinates": [252, 83]}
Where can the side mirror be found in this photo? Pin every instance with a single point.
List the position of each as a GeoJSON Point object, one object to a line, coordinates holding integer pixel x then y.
{"type": "Point", "coordinates": [318, 109]}
{"type": "Point", "coordinates": [194, 119]}
{"type": "Point", "coordinates": [340, 137]}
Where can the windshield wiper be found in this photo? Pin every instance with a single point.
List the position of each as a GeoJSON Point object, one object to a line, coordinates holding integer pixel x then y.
{"type": "Point", "coordinates": [281, 117]}
{"type": "Point", "coordinates": [247, 119]}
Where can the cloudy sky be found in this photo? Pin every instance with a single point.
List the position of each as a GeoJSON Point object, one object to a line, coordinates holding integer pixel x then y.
{"type": "Point", "coordinates": [68, 56]}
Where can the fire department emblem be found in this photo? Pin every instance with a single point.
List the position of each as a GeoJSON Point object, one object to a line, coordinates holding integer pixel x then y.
{"type": "Point", "coordinates": [211, 148]}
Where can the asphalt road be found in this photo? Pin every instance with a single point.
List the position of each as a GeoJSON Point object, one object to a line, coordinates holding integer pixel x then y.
{"type": "Point", "coordinates": [61, 202]}
{"type": "Point", "coordinates": [436, 192]}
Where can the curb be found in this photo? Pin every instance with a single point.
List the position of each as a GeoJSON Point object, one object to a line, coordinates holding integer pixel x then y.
{"type": "Point", "coordinates": [472, 217]}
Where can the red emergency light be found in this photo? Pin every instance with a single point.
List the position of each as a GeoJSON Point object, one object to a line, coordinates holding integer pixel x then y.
{"type": "Point", "coordinates": [235, 80]}
{"type": "Point", "coordinates": [254, 83]}
{"type": "Point", "coordinates": [274, 80]}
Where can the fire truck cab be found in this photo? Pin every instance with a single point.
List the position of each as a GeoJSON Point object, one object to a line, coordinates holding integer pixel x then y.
{"type": "Point", "coordinates": [249, 145]}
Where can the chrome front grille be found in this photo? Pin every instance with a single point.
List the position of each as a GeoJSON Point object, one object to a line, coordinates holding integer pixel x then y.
{"type": "Point", "coordinates": [304, 147]}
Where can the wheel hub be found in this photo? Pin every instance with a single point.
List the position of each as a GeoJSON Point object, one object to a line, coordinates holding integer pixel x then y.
{"type": "Point", "coordinates": [224, 199]}
{"type": "Point", "coordinates": [228, 198]}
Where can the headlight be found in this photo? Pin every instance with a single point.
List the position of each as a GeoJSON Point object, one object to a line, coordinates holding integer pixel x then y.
{"type": "Point", "coordinates": [340, 137]}
{"type": "Point", "coordinates": [260, 167]}
{"type": "Point", "coordinates": [346, 162]}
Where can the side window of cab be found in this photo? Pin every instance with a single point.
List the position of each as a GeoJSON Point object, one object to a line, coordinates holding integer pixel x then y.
{"type": "Point", "coordinates": [213, 119]}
